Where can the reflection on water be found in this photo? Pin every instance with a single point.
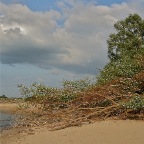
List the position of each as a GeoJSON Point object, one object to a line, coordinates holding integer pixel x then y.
{"type": "Point", "coordinates": [6, 120]}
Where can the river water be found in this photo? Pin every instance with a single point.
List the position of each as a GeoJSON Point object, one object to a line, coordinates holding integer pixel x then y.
{"type": "Point", "coordinates": [6, 120]}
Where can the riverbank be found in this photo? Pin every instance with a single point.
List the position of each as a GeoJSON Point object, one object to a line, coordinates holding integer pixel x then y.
{"type": "Point", "coordinates": [103, 132]}
{"type": "Point", "coordinates": [8, 107]}
{"type": "Point", "coordinates": [37, 130]}
{"type": "Point", "coordinates": [7, 114]}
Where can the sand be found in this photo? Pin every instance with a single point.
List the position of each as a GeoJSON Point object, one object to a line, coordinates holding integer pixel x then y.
{"type": "Point", "coordinates": [8, 107]}
{"type": "Point", "coordinates": [104, 132]}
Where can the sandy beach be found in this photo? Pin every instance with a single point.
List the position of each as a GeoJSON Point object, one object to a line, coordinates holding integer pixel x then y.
{"type": "Point", "coordinates": [103, 132]}
{"type": "Point", "coordinates": [100, 132]}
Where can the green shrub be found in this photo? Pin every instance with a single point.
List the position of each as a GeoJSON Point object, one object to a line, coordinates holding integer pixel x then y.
{"type": "Point", "coordinates": [77, 85]}
{"type": "Point", "coordinates": [53, 96]}
{"type": "Point", "coordinates": [71, 89]}
{"type": "Point", "coordinates": [136, 103]}
{"type": "Point", "coordinates": [37, 91]}
{"type": "Point", "coordinates": [66, 97]}
{"type": "Point", "coordinates": [125, 67]}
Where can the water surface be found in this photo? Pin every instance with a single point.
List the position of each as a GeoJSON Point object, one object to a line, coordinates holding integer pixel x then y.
{"type": "Point", "coordinates": [6, 120]}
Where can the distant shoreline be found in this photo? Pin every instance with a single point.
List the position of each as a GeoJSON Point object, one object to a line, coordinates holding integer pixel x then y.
{"type": "Point", "coordinates": [8, 107]}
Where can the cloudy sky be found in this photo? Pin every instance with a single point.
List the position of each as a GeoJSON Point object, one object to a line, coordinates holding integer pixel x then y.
{"type": "Point", "coordinates": [46, 41]}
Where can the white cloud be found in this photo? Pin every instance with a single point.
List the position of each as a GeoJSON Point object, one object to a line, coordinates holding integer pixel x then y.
{"type": "Point", "coordinates": [73, 39]}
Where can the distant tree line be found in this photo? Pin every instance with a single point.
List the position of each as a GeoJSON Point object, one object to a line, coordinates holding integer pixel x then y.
{"type": "Point", "coordinates": [4, 97]}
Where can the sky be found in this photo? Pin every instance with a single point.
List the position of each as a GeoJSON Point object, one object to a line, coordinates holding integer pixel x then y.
{"type": "Point", "coordinates": [48, 41]}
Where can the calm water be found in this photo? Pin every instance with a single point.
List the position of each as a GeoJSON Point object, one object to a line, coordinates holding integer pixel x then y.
{"type": "Point", "coordinates": [6, 120]}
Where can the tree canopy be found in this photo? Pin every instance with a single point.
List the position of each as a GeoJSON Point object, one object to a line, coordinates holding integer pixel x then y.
{"type": "Point", "coordinates": [129, 37]}
{"type": "Point", "coordinates": [125, 50]}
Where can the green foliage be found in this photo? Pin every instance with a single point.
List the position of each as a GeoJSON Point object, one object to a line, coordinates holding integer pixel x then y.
{"type": "Point", "coordinates": [52, 97]}
{"type": "Point", "coordinates": [125, 67]}
{"type": "Point", "coordinates": [71, 89]}
{"type": "Point", "coordinates": [129, 37]}
{"type": "Point", "coordinates": [77, 85]}
{"type": "Point", "coordinates": [67, 96]}
{"type": "Point", "coordinates": [125, 50]}
{"type": "Point", "coordinates": [37, 91]}
{"type": "Point", "coordinates": [136, 103]}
